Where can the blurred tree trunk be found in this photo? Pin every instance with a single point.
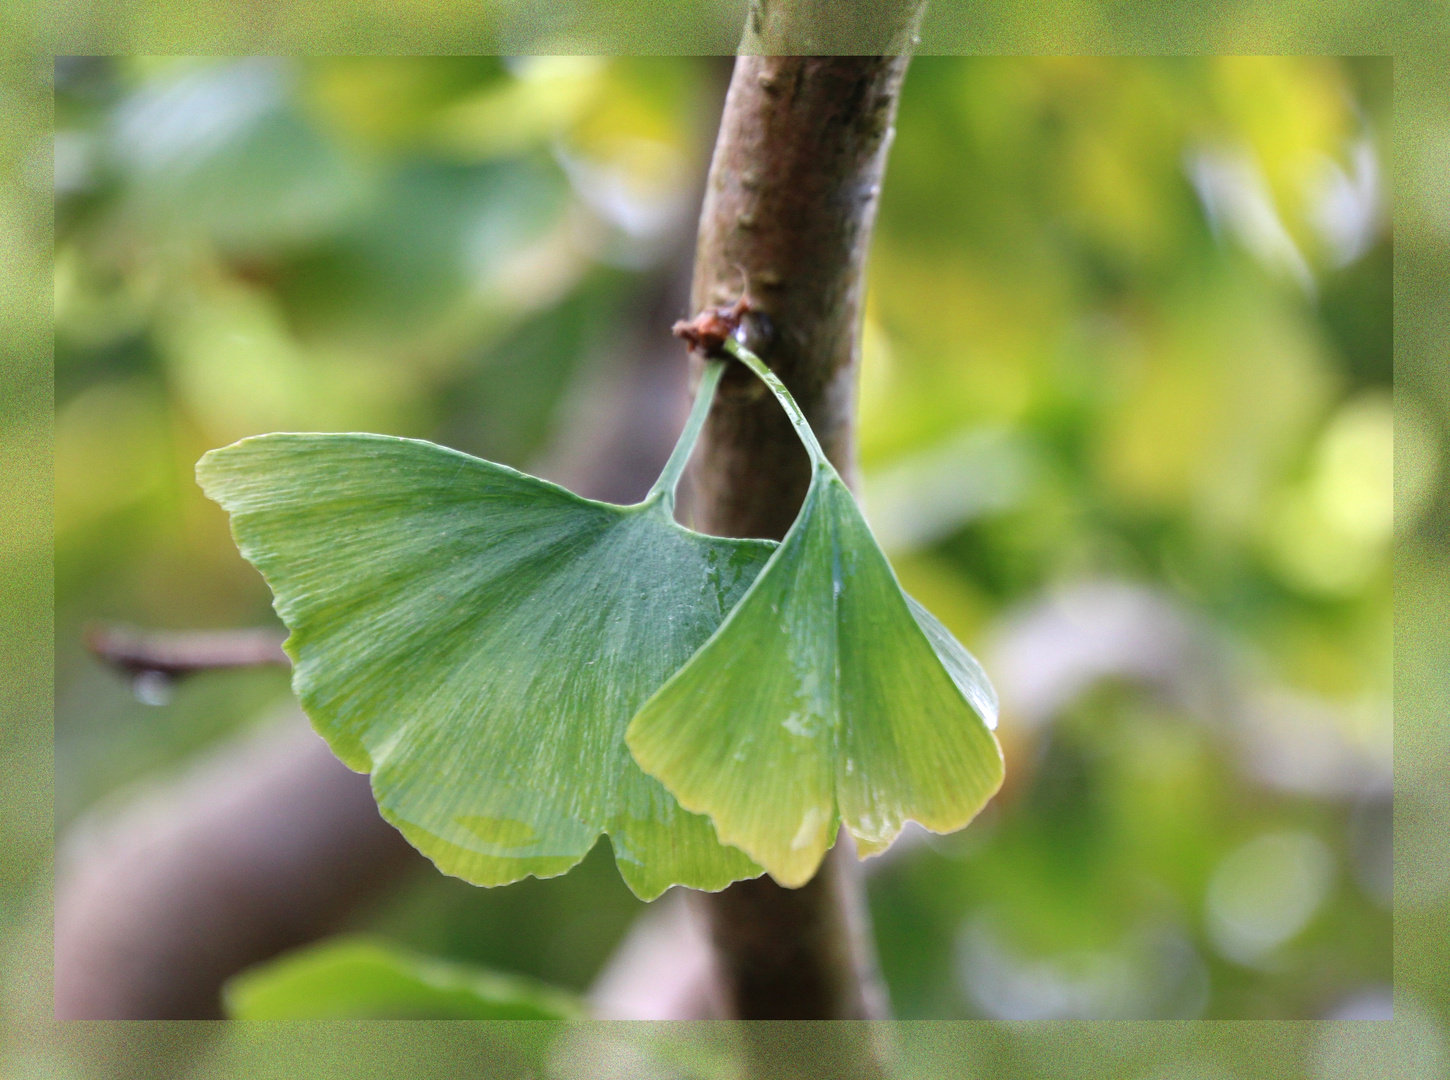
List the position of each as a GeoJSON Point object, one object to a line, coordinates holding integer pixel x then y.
{"type": "Point", "coordinates": [788, 211]}
{"type": "Point", "coordinates": [262, 846]}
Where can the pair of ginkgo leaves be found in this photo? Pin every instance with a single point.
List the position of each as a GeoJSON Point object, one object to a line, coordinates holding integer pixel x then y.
{"type": "Point", "coordinates": [521, 668]}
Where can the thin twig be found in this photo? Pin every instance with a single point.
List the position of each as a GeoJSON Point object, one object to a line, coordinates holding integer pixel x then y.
{"type": "Point", "coordinates": [174, 654]}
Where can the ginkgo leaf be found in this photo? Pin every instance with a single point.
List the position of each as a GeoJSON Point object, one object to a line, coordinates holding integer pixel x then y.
{"type": "Point", "coordinates": [826, 696]}
{"type": "Point", "coordinates": [478, 639]}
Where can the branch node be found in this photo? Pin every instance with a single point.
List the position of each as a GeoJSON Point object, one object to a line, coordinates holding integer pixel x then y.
{"type": "Point", "coordinates": [707, 332]}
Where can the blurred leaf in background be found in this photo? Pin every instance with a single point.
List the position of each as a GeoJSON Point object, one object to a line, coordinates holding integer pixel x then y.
{"type": "Point", "coordinates": [357, 978]}
{"type": "Point", "coordinates": [26, 489]}
{"type": "Point", "coordinates": [1126, 428]}
{"type": "Point", "coordinates": [1126, 419]}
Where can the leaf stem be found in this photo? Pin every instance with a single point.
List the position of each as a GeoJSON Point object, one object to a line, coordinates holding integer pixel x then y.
{"type": "Point", "coordinates": [782, 395]}
{"type": "Point", "coordinates": [664, 488]}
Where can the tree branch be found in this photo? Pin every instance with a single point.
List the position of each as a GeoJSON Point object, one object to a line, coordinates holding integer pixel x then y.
{"type": "Point", "coordinates": [788, 212]}
{"type": "Point", "coordinates": [825, 27]}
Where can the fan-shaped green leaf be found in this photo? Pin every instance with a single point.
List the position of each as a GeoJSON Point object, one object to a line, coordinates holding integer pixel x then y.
{"type": "Point", "coordinates": [358, 978]}
{"type": "Point", "coordinates": [827, 695]}
{"type": "Point", "coordinates": [478, 640]}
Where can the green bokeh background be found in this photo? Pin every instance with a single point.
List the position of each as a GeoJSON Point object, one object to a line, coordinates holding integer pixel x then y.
{"type": "Point", "coordinates": [1104, 286]}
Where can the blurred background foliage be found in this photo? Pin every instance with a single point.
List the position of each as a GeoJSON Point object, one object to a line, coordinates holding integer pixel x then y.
{"type": "Point", "coordinates": [712, 27]}
{"type": "Point", "coordinates": [1126, 427]}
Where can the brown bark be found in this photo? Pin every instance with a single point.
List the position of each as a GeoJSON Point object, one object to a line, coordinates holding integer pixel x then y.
{"type": "Point", "coordinates": [817, 27]}
{"type": "Point", "coordinates": [797, 954]}
{"type": "Point", "coordinates": [788, 212]}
